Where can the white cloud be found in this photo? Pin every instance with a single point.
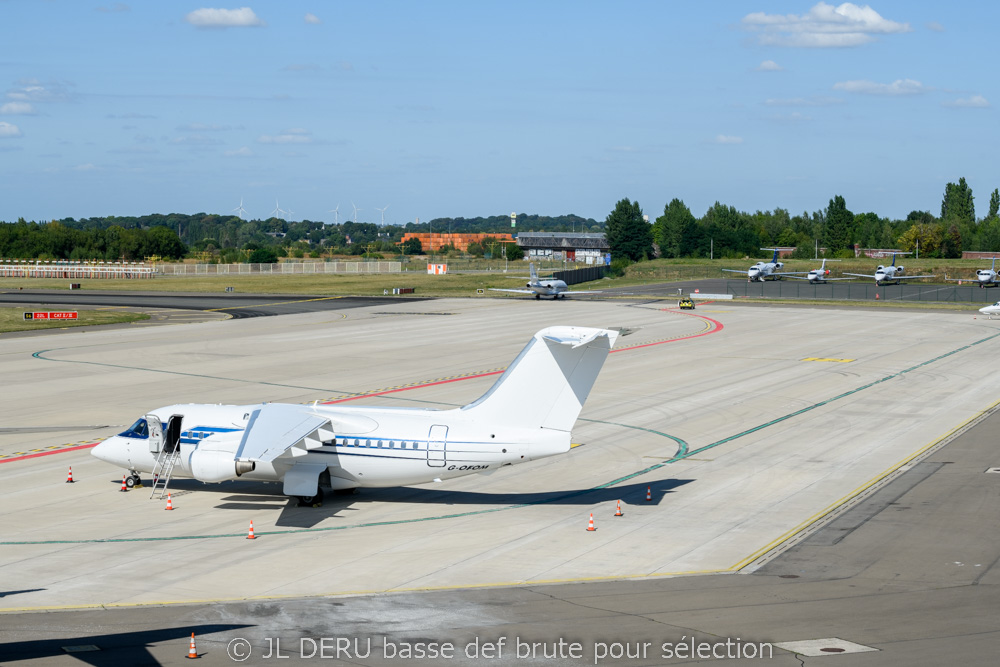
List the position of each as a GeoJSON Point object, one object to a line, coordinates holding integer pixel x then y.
{"type": "Point", "coordinates": [18, 109]}
{"type": "Point", "coordinates": [195, 140]}
{"type": "Point", "coordinates": [85, 167]}
{"type": "Point", "coordinates": [824, 26]}
{"type": "Point", "coordinates": [8, 130]}
{"type": "Point", "coordinates": [313, 19]}
{"type": "Point", "coordinates": [243, 17]}
{"type": "Point", "coordinates": [803, 102]}
{"type": "Point", "coordinates": [32, 90]}
{"type": "Point", "coordinates": [295, 135]}
{"type": "Point", "coordinates": [935, 26]}
{"type": "Point", "coordinates": [239, 152]}
{"type": "Point", "coordinates": [974, 102]}
{"type": "Point", "coordinates": [725, 139]}
{"type": "Point", "coordinates": [896, 88]}
{"type": "Point", "coordinates": [202, 127]}
{"type": "Point", "coordinates": [769, 66]}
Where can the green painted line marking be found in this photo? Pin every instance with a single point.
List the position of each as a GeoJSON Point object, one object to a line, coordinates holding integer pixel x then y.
{"type": "Point", "coordinates": [683, 452]}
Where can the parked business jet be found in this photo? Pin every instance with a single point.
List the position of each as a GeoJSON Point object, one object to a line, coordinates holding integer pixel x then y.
{"type": "Point", "coordinates": [550, 287]}
{"type": "Point", "coordinates": [761, 271]}
{"type": "Point", "coordinates": [527, 414]}
{"type": "Point", "coordinates": [985, 277]}
{"type": "Point", "coordinates": [991, 310]}
{"type": "Point", "coordinates": [887, 274]}
{"type": "Point", "coordinates": [819, 276]}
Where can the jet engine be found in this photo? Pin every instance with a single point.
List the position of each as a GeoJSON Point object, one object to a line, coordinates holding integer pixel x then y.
{"type": "Point", "coordinates": [216, 466]}
{"type": "Point", "coordinates": [780, 265]}
{"type": "Point", "coordinates": [900, 269]}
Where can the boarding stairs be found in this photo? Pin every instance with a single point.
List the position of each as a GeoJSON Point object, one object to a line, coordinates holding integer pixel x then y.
{"type": "Point", "coordinates": [163, 469]}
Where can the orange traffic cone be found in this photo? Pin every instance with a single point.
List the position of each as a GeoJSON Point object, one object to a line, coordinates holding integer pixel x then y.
{"type": "Point", "coordinates": [876, 296]}
{"type": "Point", "coordinates": [193, 652]}
{"type": "Point", "coordinates": [170, 505]}
{"type": "Point", "coordinates": [69, 480]}
{"type": "Point", "coordinates": [649, 495]}
{"type": "Point", "coordinates": [124, 488]}
{"type": "Point", "coordinates": [251, 536]}
{"type": "Point", "coordinates": [618, 512]}
{"type": "Point", "coordinates": [590, 526]}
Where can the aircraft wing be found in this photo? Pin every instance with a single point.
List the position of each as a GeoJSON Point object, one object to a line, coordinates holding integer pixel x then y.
{"type": "Point", "coordinates": [910, 277]}
{"type": "Point", "coordinates": [821, 279]}
{"type": "Point", "coordinates": [860, 275]}
{"type": "Point", "coordinates": [789, 273]}
{"type": "Point", "coordinates": [744, 271]}
{"type": "Point", "coordinates": [276, 427]}
{"type": "Point", "coordinates": [516, 291]}
{"type": "Point", "coordinates": [582, 293]}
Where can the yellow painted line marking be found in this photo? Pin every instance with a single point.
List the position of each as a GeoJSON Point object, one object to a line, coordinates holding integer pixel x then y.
{"type": "Point", "coordinates": [861, 489]}
{"type": "Point", "coordinates": [839, 361]}
{"type": "Point", "coordinates": [279, 303]}
{"type": "Point", "coordinates": [575, 445]}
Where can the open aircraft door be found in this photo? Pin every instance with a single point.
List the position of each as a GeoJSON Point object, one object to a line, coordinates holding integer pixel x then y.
{"type": "Point", "coordinates": [437, 444]}
{"type": "Point", "coordinates": [155, 433]}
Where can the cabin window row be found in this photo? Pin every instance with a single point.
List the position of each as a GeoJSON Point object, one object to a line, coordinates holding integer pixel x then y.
{"type": "Point", "coordinates": [390, 444]}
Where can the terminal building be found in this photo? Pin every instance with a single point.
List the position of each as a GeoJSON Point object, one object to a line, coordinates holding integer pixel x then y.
{"type": "Point", "coordinates": [589, 248]}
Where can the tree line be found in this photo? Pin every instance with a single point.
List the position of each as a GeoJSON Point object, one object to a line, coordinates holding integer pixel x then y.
{"type": "Point", "coordinates": [722, 232]}
{"type": "Point", "coordinates": [725, 232]}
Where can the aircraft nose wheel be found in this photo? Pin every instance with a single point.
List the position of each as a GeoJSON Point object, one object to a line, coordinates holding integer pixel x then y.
{"type": "Point", "coordinates": [311, 501]}
{"type": "Point", "coordinates": [133, 481]}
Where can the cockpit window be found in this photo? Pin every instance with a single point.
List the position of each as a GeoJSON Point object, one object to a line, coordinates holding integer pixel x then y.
{"type": "Point", "coordinates": [137, 430]}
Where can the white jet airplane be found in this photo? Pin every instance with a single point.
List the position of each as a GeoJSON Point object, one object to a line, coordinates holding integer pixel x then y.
{"type": "Point", "coordinates": [991, 310]}
{"type": "Point", "coordinates": [819, 276]}
{"type": "Point", "coordinates": [887, 274]}
{"type": "Point", "coordinates": [526, 415]}
{"type": "Point", "coordinates": [761, 271]}
{"type": "Point", "coordinates": [551, 287]}
{"type": "Point", "coordinates": [985, 277]}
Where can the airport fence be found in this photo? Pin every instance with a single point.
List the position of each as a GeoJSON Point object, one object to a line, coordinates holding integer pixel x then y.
{"type": "Point", "coordinates": [852, 291]}
{"type": "Point", "coordinates": [284, 268]}
{"type": "Point", "coordinates": [576, 276]}
{"type": "Point", "coordinates": [73, 269]}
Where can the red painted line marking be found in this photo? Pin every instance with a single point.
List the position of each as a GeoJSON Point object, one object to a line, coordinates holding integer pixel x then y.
{"type": "Point", "coordinates": [718, 327]}
{"type": "Point", "coordinates": [416, 386]}
{"type": "Point", "coordinates": [57, 451]}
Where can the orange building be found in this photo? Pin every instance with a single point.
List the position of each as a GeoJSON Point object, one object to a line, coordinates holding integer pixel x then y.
{"type": "Point", "coordinates": [434, 242]}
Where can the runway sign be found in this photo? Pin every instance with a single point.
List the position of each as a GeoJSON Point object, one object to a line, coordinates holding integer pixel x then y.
{"type": "Point", "coordinates": [50, 315]}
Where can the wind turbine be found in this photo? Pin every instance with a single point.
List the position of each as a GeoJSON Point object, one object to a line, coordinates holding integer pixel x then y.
{"type": "Point", "coordinates": [336, 214]}
{"type": "Point", "coordinates": [240, 210]}
{"type": "Point", "coordinates": [383, 214]}
{"type": "Point", "coordinates": [289, 214]}
{"type": "Point", "coordinates": [276, 213]}
{"type": "Point", "coordinates": [356, 209]}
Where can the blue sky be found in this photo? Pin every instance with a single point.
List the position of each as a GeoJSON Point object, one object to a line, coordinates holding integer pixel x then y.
{"type": "Point", "coordinates": [480, 108]}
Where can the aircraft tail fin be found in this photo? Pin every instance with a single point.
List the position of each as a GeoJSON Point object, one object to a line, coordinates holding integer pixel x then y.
{"type": "Point", "coordinates": [533, 272]}
{"type": "Point", "coordinates": [549, 381]}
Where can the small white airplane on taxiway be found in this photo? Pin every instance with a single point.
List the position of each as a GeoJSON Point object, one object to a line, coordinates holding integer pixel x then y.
{"type": "Point", "coordinates": [527, 414]}
{"type": "Point", "coordinates": [991, 310]}
{"type": "Point", "coordinates": [985, 277]}
{"type": "Point", "coordinates": [555, 288]}
{"type": "Point", "coordinates": [761, 271]}
{"type": "Point", "coordinates": [886, 274]}
{"type": "Point", "coordinates": [819, 276]}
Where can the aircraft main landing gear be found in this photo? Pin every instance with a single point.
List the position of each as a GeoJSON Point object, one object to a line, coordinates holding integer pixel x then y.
{"type": "Point", "coordinates": [312, 501]}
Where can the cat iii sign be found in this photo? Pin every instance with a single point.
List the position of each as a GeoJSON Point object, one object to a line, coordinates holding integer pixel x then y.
{"type": "Point", "coordinates": [50, 315]}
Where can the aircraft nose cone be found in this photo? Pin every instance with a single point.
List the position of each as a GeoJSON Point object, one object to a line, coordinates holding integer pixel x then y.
{"type": "Point", "coordinates": [112, 450]}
